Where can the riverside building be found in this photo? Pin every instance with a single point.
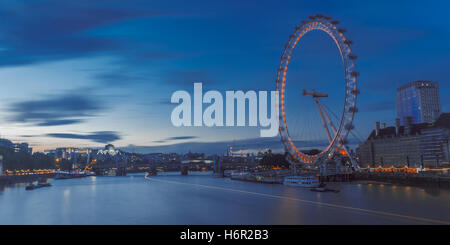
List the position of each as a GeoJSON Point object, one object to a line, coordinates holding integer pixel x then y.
{"type": "Point", "coordinates": [414, 145]}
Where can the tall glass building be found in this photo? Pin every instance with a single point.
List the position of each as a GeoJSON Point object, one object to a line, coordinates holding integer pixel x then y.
{"type": "Point", "coordinates": [418, 102]}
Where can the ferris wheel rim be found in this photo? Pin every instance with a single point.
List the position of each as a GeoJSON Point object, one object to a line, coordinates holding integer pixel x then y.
{"type": "Point", "coordinates": [329, 26]}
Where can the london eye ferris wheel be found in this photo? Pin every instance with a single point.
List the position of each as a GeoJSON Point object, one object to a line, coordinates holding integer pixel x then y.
{"type": "Point", "coordinates": [337, 131]}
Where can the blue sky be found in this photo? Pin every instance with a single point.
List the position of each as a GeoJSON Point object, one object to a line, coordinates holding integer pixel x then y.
{"type": "Point", "coordinates": [86, 73]}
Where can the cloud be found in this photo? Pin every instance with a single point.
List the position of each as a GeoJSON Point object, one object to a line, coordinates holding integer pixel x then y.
{"type": "Point", "coordinates": [99, 136]}
{"type": "Point", "coordinates": [159, 141]}
{"type": "Point", "coordinates": [51, 122]}
{"type": "Point", "coordinates": [60, 110]}
{"type": "Point", "coordinates": [41, 31]}
{"type": "Point", "coordinates": [182, 138]}
{"type": "Point", "coordinates": [174, 139]}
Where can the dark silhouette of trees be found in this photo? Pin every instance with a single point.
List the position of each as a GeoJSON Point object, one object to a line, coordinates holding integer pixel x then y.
{"type": "Point", "coordinates": [270, 160]}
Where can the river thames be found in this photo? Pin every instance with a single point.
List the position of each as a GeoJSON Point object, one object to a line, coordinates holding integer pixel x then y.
{"type": "Point", "coordinates": [207, 200]}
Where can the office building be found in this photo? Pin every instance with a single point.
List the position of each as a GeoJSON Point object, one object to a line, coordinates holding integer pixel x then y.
{"type": "Point", "coordinates": [418, 102]}
{"type": "Point", "coordinates": [414, 145]}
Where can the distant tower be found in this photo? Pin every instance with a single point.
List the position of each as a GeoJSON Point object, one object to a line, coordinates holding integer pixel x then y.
{"type": "Point", "coordinates": [419, 100]}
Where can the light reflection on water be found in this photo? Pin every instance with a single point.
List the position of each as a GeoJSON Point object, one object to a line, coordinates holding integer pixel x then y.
{"type": "Point", "coordinates": [135, 200]}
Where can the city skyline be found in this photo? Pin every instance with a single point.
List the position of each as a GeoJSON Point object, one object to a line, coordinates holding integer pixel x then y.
{"type": "Point", "coordinates": [216, 120]}
{"type": "Point", "coordinates": [90, 73]}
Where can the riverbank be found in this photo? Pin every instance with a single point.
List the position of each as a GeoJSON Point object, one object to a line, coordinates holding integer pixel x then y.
{"type": "Point", "coordinates": [13, 179]}
{"type": "Point", "coordinates": [421, 180]}
{"type": "Point", "coordinates": [405, 179]}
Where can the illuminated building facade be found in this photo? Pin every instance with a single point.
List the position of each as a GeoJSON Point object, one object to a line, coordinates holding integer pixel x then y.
{"type": "Point", "coordinates": [418, 102]}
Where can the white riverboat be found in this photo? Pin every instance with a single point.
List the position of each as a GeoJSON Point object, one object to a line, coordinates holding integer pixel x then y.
{"type": "Point", "coordinates": [302, 181]}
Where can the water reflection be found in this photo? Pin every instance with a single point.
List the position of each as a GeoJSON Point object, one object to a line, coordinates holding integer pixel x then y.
{"type": "Point", "coordinates": [433, 191]}
{"type": "Point", "coordinates": [134, 200]}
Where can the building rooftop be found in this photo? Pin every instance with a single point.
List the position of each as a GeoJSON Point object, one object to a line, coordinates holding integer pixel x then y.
{"type": "Point", "coordinates": [442, 122]}
{"type": "Point", "coordinates": [418, 84]}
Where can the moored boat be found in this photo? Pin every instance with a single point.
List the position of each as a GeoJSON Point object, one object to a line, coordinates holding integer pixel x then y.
{"type": "Point", "coordinates": [70, 174]}
{"type": "Point", "coordinates": [30, 187]}
{"type": "Point", "coordinates": [36, 186]}
{"type": "Point", "coordinates": [302, 181]}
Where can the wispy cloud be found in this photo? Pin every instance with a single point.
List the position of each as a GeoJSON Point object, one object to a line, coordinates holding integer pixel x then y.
{"type": "Point", "coordinates": [52, 122]}
{"type": "Point", "coordinates": [99, 136]}
{"type": "Point", "coordinates": [182, 138]}
{"type": "Point", "coordinates": [41, 31]}
{"type": "Point", "coordinates": [159, 141]}
{"type": "Point", "coordinates": [59, 110]}
{"type": "Point", "coordinates": [175, 138]}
